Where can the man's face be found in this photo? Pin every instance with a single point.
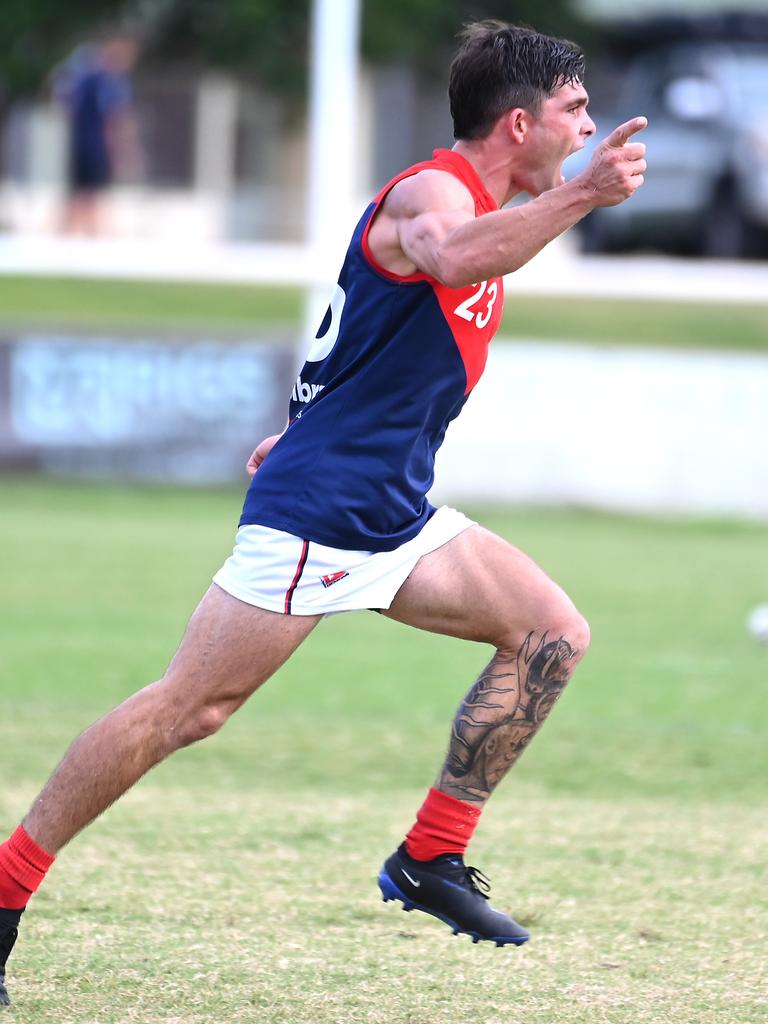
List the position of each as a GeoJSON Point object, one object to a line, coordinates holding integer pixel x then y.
{"type": "Point", "coordinates": [562, 127]}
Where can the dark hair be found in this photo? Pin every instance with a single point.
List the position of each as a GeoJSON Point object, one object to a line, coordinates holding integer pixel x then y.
{"type": "Point", "coordinates": [499, 67]}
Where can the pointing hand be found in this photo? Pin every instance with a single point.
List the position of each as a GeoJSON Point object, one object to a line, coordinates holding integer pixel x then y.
{"type": "Point", "coordinates": [625, 131]}
{"type": "Point", "coordinates": [617, 166]}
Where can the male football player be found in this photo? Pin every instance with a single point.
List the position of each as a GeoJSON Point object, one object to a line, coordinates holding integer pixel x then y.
{"type": "Point", "coordinates": [404, 342]}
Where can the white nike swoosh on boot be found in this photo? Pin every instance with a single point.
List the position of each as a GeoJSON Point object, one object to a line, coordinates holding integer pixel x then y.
{"type": "Point", "coordinates": [411, 880]}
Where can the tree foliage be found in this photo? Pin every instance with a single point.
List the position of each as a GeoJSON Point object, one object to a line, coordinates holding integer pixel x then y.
{"type": "Point", "coordinates": [36, 34]}
{"type": "Point", "coordinates": [422, 32]}
{"type": "Point", "coordinates": [264, 39]}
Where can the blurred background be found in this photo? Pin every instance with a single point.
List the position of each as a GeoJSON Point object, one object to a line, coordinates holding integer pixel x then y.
{"type": "Point", "coordinates": [178, 179]}
{"type": "Point", "coordinates": [177, 183]}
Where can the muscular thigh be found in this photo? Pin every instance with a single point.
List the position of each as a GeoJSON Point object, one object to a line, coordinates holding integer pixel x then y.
{"type": "Point", "coordinates": [230, 648]}
{"type": "Point", "coordinates": [479, 587]}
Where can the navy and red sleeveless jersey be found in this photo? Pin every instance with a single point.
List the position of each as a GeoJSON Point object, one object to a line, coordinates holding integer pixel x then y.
{"type": "Point", "coordinates": [393, 363]}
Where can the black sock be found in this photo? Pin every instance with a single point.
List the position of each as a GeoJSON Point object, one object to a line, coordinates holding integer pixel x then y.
{"type": "Point", "coordinates": [10, 918]}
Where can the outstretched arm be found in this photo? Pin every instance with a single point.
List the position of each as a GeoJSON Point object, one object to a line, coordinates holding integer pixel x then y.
{"type": "Point", "coordinates": [437, 231]}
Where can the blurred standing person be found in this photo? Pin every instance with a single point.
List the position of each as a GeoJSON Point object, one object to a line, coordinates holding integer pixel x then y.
{"type": "Point", "coordinates": [94, 85]}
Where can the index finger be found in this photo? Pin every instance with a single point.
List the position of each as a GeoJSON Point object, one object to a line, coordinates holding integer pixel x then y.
{"type": "Point", "coordinates": [619, 135]}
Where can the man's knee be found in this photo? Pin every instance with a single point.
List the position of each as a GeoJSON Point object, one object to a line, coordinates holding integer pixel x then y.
{"type": "Point", "coordinates": [201, 723]}
{"type": "Point", "coordinates": [575, 630]}
{"type": "Point", "coordinates": [181, 720]}
{"type": "Point", "coordinates": [558, 623]}
{"type": "Point", "coordinates": [568, 625]}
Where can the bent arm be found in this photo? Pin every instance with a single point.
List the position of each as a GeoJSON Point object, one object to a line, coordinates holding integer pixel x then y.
{"type": "Point", "coordinates": [436, 230]}
{"type": "Point", "coordinates": [458, 248]}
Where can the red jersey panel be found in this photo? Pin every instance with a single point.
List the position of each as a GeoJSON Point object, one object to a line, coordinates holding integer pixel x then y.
{"type": "Point", "coordinates": [473, 313]}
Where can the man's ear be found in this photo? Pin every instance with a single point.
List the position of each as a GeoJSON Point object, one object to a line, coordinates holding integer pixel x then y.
{"type": "Point", "coordinates": [518, 122]}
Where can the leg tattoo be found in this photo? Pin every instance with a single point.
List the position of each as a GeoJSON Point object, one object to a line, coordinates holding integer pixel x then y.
{"type": "Point", "coordinates": [501, 714]}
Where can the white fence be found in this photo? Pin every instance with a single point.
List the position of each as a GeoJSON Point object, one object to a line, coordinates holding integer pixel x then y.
{"type": "Point", "coordinates": [633, 429]}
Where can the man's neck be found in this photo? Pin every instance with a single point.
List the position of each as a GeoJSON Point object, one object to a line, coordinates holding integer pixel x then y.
{"type": "Point", "coordinates": [492, 166]}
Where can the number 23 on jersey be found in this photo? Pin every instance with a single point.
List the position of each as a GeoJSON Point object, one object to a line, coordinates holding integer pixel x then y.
{"type": "Point", "coordinates": [478, 308]}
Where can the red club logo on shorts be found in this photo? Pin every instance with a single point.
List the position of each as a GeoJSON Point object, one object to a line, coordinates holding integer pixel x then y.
{"type": "Point", "coordinates": [332, 578]}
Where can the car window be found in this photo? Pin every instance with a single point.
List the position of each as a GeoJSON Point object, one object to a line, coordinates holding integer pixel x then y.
{"type": "Point", "coordinates": [740, 72]}
{"type": "Point", "coordinates": [745, 76]}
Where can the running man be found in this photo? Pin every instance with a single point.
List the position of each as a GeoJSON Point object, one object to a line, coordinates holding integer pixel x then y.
{"type": "Point", "coordinates": [402, 345]}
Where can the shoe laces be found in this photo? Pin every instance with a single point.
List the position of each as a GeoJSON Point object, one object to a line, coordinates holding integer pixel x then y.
{"type": "Point", "coordinates": [478, 882]}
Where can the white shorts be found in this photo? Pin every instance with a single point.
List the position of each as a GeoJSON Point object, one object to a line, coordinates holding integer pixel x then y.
{"type": "Point", "coordinates": [283, 573]}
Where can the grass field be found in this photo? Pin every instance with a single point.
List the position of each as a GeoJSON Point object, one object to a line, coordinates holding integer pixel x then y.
{"type": "Point", "coordinates": [136, 306]}
{"type": "Point", "coordinates": [237, 882]}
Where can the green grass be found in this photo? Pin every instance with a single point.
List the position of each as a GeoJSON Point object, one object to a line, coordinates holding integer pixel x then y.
{"type": "Point", "coordinates": [236, 882]}
{"type": "Point", "coordinates": [138, 305]}
{"type": "Point", "coordinates": [618, 322]}
{"type": "Point", "coordinates": [200, 308]}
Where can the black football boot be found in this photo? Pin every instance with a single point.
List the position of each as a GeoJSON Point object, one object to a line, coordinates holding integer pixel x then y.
{"type": "Point", "coordinates": [450, 891]}
{"type": "Point", "coordinates": [9, 921]}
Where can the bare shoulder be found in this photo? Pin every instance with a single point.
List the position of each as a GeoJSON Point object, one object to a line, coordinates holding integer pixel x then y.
{"type": "Point", "coordinates": [429, 190]}
{"type": "Point", "coordinates": [430, 195]}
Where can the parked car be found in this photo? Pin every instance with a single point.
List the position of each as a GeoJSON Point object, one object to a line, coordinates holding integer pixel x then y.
{"type": "Point", "coordinates": [706, 189]}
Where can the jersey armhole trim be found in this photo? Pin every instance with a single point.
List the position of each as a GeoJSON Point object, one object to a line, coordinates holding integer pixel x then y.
{"type": "Point", "coordinates": [442, 160]}
{"type": "Point", "coordinates": [389, 275]}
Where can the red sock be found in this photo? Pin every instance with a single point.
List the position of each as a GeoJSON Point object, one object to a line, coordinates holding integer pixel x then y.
{"type": "Point", "coordinates": [443, 825]}
{"type": "Point", "coordinates": [23, 865]}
